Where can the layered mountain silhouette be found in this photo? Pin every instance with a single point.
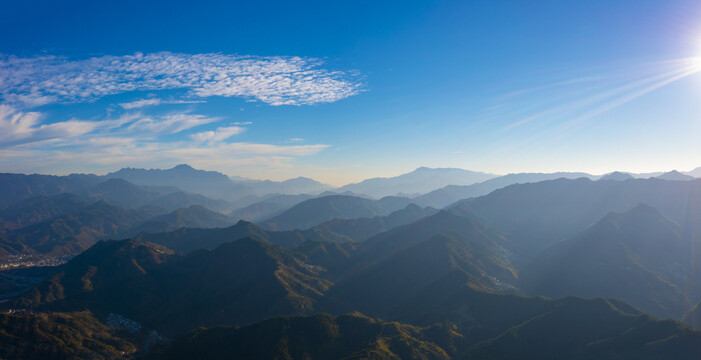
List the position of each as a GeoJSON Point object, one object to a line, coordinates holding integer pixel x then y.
{"type": "Point", "coordinates": [315, 211]}
{"type": "Point", "coordinates": [346, 230]}
{"type": "Point", "coordinates": [527, 269]}
{"type": "Point", "coordinates": [617, 176]}
{"type": "Point", "coordinates": [534, 216]}
{"type": "Point", "coordinates": [447, 195]}
{"type": "Point", "coordinates": [194, 216]}
{"type": "Point", "coordinates": [17, 187]}
{"type": "Point", "coordinates": [268, 207]}
{"type": "Point", "coordinates": [638, 256]}
{"type": "Point", "coordinates": [123, 193]}
{"type": "Point", "coordinates": [41, 208]}
{"type": "Point", "coordinates": [675, 175]}
{"type": "Point", "coordinates": [419, 181]}
{"type": "Point", "coordinates": [74, 232]}
{"type": "Point", "coordinates": [237, 283]}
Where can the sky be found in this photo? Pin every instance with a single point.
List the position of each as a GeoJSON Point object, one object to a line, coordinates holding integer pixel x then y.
{"type": "Point", "coordinates": [340, 91]}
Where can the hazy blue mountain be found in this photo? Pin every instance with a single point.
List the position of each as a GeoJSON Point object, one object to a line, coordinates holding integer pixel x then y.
{"type": "Point", "coordinates": [534, 216]}
{"type": "Point", "coordinates": [300, 185]}
{"type": "Point", "coordinates": [591, 329]}
{"type": "Point", "coordinates": [380, 288]}
{"type": "Point", "coordinates": [638, 256]}
{"type": "Point", "coordinates": [695, 173]}
{"type": "Point", "coordinates": [180, 199]}
{"type": "Point", "coordinates": [445, 196]}
{"type": "Point", "coordinates": [123, 193]}
{"type": "Point", "coordinates": [268, 207]}
{"type": "Point", "coordinates": [507, 326]}
{"type": "Point", "coordinates": [675, 175]}
{"type": "Point", "coordinates": [209, 183]}
{"type": "Point", "coordinates": [41, 208]}
{"type": "Point", "coordinates": [315, 211]}
{"type": "Point", "coordinates": [419, 181]}
{"type": "Point", "coordinates": [335, 231]}
{"type": "Point", "coordinates": [195, 216]}
{"type": "Point", "coordinates": [388, 243]}
{"type": "Point", "coordinates": [617, 176]}
{"type": "Point", "coordinates": [17, 187]}
{"type": "Point", "coordinates": [361, 229]}
{"type": "Point", "coordinates": [73, 232]}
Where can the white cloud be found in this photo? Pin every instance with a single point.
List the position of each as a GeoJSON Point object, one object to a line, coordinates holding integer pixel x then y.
{"type": "Point", "coordinates": [171, 124]}
{"type": "Point", "coordinates": [93, 154]}
{"type": "Point", "coordinates": [273, 80]}
{"type": "Point", "coordinates": [220, 134]}
{"type": "Point", "coordinates": [294, 140]}
{"type": "Point", "coordinates": [140, 103]}
{"type": "Point", "coordinates": [154, 102]}
{"type": "Point", "coordinates": [17, 127]}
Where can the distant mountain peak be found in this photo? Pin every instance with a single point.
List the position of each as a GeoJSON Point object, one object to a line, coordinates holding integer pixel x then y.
{"type": "Point", "coordinates": [617, 176]}
{"type": "Point", "coordinates": [675, 175]}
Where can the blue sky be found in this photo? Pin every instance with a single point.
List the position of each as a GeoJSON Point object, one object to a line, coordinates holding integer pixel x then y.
{"type": "Point", "coordinates": [345, 90]}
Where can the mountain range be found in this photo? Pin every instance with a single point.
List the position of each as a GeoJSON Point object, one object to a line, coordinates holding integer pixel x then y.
{"type": "Point", "coordinates": [559, 268]}
{"type": "Point", "coordinates": [419, 181]}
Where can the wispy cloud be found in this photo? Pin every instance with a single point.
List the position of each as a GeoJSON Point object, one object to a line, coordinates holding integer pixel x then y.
{"type": "Point", "coordinates": [34, 81]}
{"type": "Point", "coordinates": [218, 135]}
{"type": "Point", "coordinates": [137, 104]}
{"type": "Point", "coordinates": [171, 124]}
{"type": "Point", "coordinates": [17, 127]}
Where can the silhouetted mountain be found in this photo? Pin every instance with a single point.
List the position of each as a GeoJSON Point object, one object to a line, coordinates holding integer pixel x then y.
{"type": "Point", "coordinates": [695, 173]}
{"type": "Point", "coordinates": [637, 256]}
{"type": "Point", "coordinates": [389, 243]}
{"type": "Point", "coordinates": [495, 327]}
{"type": "Point", "coordinates": [352, 336]}
{"type": "Point", "coordinates": [592, 329]}
{"type": "Point", "coordinates": [123, 193]}
{"type": "Point", "coordinates": [209, 183]}
{"type": "Point", "coordinates": [505, 326]}
{"type": "Point", "coordinates": [330, 255]}
{"type": "Point", "coordinates": [675, 175]}
{"type": "Point", "coordinates": [381, 288]}
{"type": "Point", "coordinates": [536, 215]}
{"type": "Point", "coordinates": [358, 230]}
{"type": "Point", "coordinates": [300, 185]}
{"type": "Point", "coordinates": [17, 187]}
{"type": "Point", "coordinates": [179, 199]}
{"type": "Point", "coordinates": [268, 207]}
{"type": "Point", "coordinates": [26, 335]}
{"type": "Point", "coordinates": [194, 216]}
{"type": "Point", "coordinates": [315, 211]}
{"type": "Point", "coordinates": [41, 208]}
{"type": "Point", "coordinates": [75, 232]}
{"type": "Point", "coordinates": [419, 181]}
{"type": "Point", "coordinates": [617, 176]}
{"type": "Point", "coordinates": [237, 283]}
{"type": "Point", "coordinates": [445, 196]}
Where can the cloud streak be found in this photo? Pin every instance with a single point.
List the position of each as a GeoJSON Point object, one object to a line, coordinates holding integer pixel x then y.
{"type": "Point", "coordinates": [31, 82]}
{"type": "Point", "coordinates": [218, 135]}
